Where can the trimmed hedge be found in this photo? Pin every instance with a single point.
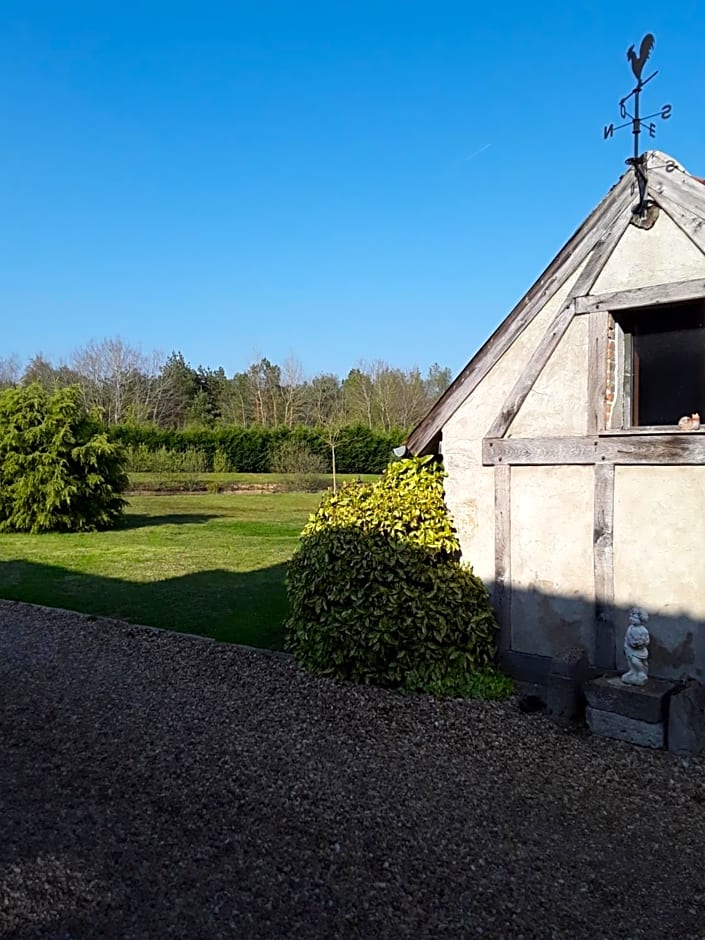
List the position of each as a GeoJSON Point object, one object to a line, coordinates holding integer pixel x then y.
{"type": "Point", "coordinates": [249, 450]}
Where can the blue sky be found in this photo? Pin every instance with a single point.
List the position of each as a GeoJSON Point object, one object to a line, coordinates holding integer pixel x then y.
{"type": "Point", "coordinates": [335, 181]}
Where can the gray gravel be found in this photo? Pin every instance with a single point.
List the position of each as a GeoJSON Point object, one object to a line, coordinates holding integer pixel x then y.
{"type": "Point", "coordinates": [153, 785]}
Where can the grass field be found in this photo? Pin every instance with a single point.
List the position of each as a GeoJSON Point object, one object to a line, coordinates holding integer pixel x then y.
{"type": "Point", "coordinates": [207, 564]}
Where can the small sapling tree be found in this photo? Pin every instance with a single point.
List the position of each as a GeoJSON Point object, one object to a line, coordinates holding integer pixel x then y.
{"type": "Point", "coordinates": [58, 470]}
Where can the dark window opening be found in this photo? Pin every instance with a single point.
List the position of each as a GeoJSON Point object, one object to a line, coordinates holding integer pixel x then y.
{"type": "Point", "coordinates": [664, 363]}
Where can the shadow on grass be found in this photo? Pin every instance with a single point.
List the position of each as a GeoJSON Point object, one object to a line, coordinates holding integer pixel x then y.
{"type": "Point", "coordinates": [138, 520]}
{"type": "Point", "coordinates": [234, 607]}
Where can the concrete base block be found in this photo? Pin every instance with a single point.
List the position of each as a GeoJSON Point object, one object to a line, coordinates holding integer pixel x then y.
{"type": "Point", "coordinates": [612, 725]}
{"type": "Point", "coordinates": [686, 720]}
{"type": "Point", "coordinates": [646, 703]}
{"type": "Point", "coordinates": [565, 701]}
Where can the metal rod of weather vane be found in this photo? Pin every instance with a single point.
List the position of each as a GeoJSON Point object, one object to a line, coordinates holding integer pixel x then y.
{"type": "Point", "coordinates": [636, 122]}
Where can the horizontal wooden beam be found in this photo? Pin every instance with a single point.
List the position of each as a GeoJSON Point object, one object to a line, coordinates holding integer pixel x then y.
{"type": "Point", "coordinates": [675, 292]}
{"type": "Point", "coordinates": [685, 447]}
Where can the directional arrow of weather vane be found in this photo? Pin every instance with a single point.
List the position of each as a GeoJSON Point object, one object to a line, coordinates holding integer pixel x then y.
{"type": "Point", "coordinates": [637, 121]}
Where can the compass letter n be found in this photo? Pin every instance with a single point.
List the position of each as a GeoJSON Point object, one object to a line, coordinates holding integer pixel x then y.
{"type": "Point", "coordinates": [608, 131]}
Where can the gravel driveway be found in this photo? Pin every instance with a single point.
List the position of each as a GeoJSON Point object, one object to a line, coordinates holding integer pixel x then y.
{"type": "Point", "coordinates": [153, 785]}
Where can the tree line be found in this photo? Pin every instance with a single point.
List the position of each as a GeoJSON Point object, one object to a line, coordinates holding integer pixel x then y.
{"type": "Point", "coordinates": [125, 386]}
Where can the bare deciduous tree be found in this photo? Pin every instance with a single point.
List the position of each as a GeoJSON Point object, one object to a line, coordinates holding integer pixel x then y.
{"type": "Point", "coordinates": [9, 371]}
{"type": "Point", "coordinates": [292, 387]}
{"type": "Point", "coordinates": [109, 371]}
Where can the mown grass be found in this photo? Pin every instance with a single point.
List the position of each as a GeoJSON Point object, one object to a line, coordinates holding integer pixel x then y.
{"type": "Point", "coordinates": [207, 564]}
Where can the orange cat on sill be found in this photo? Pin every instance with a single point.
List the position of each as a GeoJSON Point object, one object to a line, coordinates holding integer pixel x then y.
{"type": "Point", "coordinates": [689, 422]}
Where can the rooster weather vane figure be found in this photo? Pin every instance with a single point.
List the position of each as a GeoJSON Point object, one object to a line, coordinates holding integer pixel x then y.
{"type": "Point", "coordinates": [636, 121]}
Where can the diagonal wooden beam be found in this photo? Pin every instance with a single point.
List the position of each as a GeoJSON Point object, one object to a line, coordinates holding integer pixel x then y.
{"type": "Point", "coordinates": [683, 202]}
{"type": "Point", "coordinates": [556, 274]}
{"type": "Point", "coordinates": [557, 330]}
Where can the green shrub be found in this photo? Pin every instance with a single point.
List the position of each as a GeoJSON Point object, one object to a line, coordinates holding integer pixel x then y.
{"type": "Point", "coordinates": [142, 460]}
{"type": "Point", "coordinates": [58, 470]}
{"type": "Point", "coordinates": [221, 461]}
{"type": "Point", "coordinates": [249, 450]}
{"type": "Point", "coordinates": [295, 456]}
{"type": "Point", "coordinates": [303, 466]}
{"type": "Point", "coordinates": [376, 591]}
{"type": "Point", "coordinates": [139, 458]}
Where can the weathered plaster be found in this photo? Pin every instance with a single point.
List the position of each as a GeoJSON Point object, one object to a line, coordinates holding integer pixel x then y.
{"type": "Point", "coordinates": [552, 559]}
{"type": "Point", "coordinates": [659, 547]}
{"type": "Point", "coordinates": [469, 489]}
{"type": "Point", "coordinates": [557, 404]}
{"type": "Point", "coordinates": [646, 257]}
{"type": "Point", "coordinates": [475, 416]}
{"type": "Point", "coordinates": [470, 486]}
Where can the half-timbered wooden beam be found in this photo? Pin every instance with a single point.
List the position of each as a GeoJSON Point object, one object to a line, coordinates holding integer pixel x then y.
{"type": "Point", "coordinates": [684, 203]}
{"type": "Point", "coordinates": [597, 370]}
{"type": "Point", "coordinates": [653, 296]}
{"type": "Point", "coordinates": [604, 566]}
{"type": "Point", "coordinates": [595, 263]}
{"type": "Point", "coordinates": [564, 265]}
{"type": "Point", "coordinates": [668, 448]}
{"type": "Point", "coordinates": [502, 593]}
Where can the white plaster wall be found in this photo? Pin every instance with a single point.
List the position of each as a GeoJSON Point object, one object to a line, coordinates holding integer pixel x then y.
{"type": "Point", "coordinates": [557, 405]}
{"type": "Point", "coordinates": [552, 558]}
{"type": "Point", "coordinates": [469, 489]}
{"type": "Point", "coordinates": [469, 486]}
{"type": "Point", "coordinates": [644, 258]}
{"type": "Point", "coordinates": [659, 562]}
{"type": "Point", "coordinates": [474, 417]}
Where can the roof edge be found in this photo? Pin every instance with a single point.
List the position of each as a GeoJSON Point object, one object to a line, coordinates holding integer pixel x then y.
{"type": "Point", "coordinates": [573, 253]}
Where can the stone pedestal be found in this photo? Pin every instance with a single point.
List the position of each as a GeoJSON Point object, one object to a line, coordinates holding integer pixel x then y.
{"type": "Point", "coordinates": [634, 713]}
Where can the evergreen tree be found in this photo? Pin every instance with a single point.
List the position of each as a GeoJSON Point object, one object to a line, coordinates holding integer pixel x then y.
{"type": "Point", "coordinates": [58, 470]}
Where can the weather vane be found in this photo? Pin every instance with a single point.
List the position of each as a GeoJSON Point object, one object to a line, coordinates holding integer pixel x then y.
{"type": "Point", "coordinates": [636, 121]}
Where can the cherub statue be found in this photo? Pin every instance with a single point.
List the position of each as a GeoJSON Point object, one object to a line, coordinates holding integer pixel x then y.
{"type": "Point", "coordinates": [636, 648]}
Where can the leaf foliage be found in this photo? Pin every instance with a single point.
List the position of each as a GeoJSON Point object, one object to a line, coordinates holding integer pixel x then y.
{"type": "Point", "coordinates": [377, 593]}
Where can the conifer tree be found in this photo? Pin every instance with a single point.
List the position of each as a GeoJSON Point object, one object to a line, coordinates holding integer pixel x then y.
{"type": "Point", "coordinates": [58, 470]}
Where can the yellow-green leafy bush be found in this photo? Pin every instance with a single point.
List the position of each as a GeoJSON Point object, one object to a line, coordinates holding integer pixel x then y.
{"type": "Point", "coordinates": [377, 593]}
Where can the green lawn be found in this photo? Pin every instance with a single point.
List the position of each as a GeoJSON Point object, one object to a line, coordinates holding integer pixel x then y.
{"type": "Point", "coordinates": [207, 564]}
